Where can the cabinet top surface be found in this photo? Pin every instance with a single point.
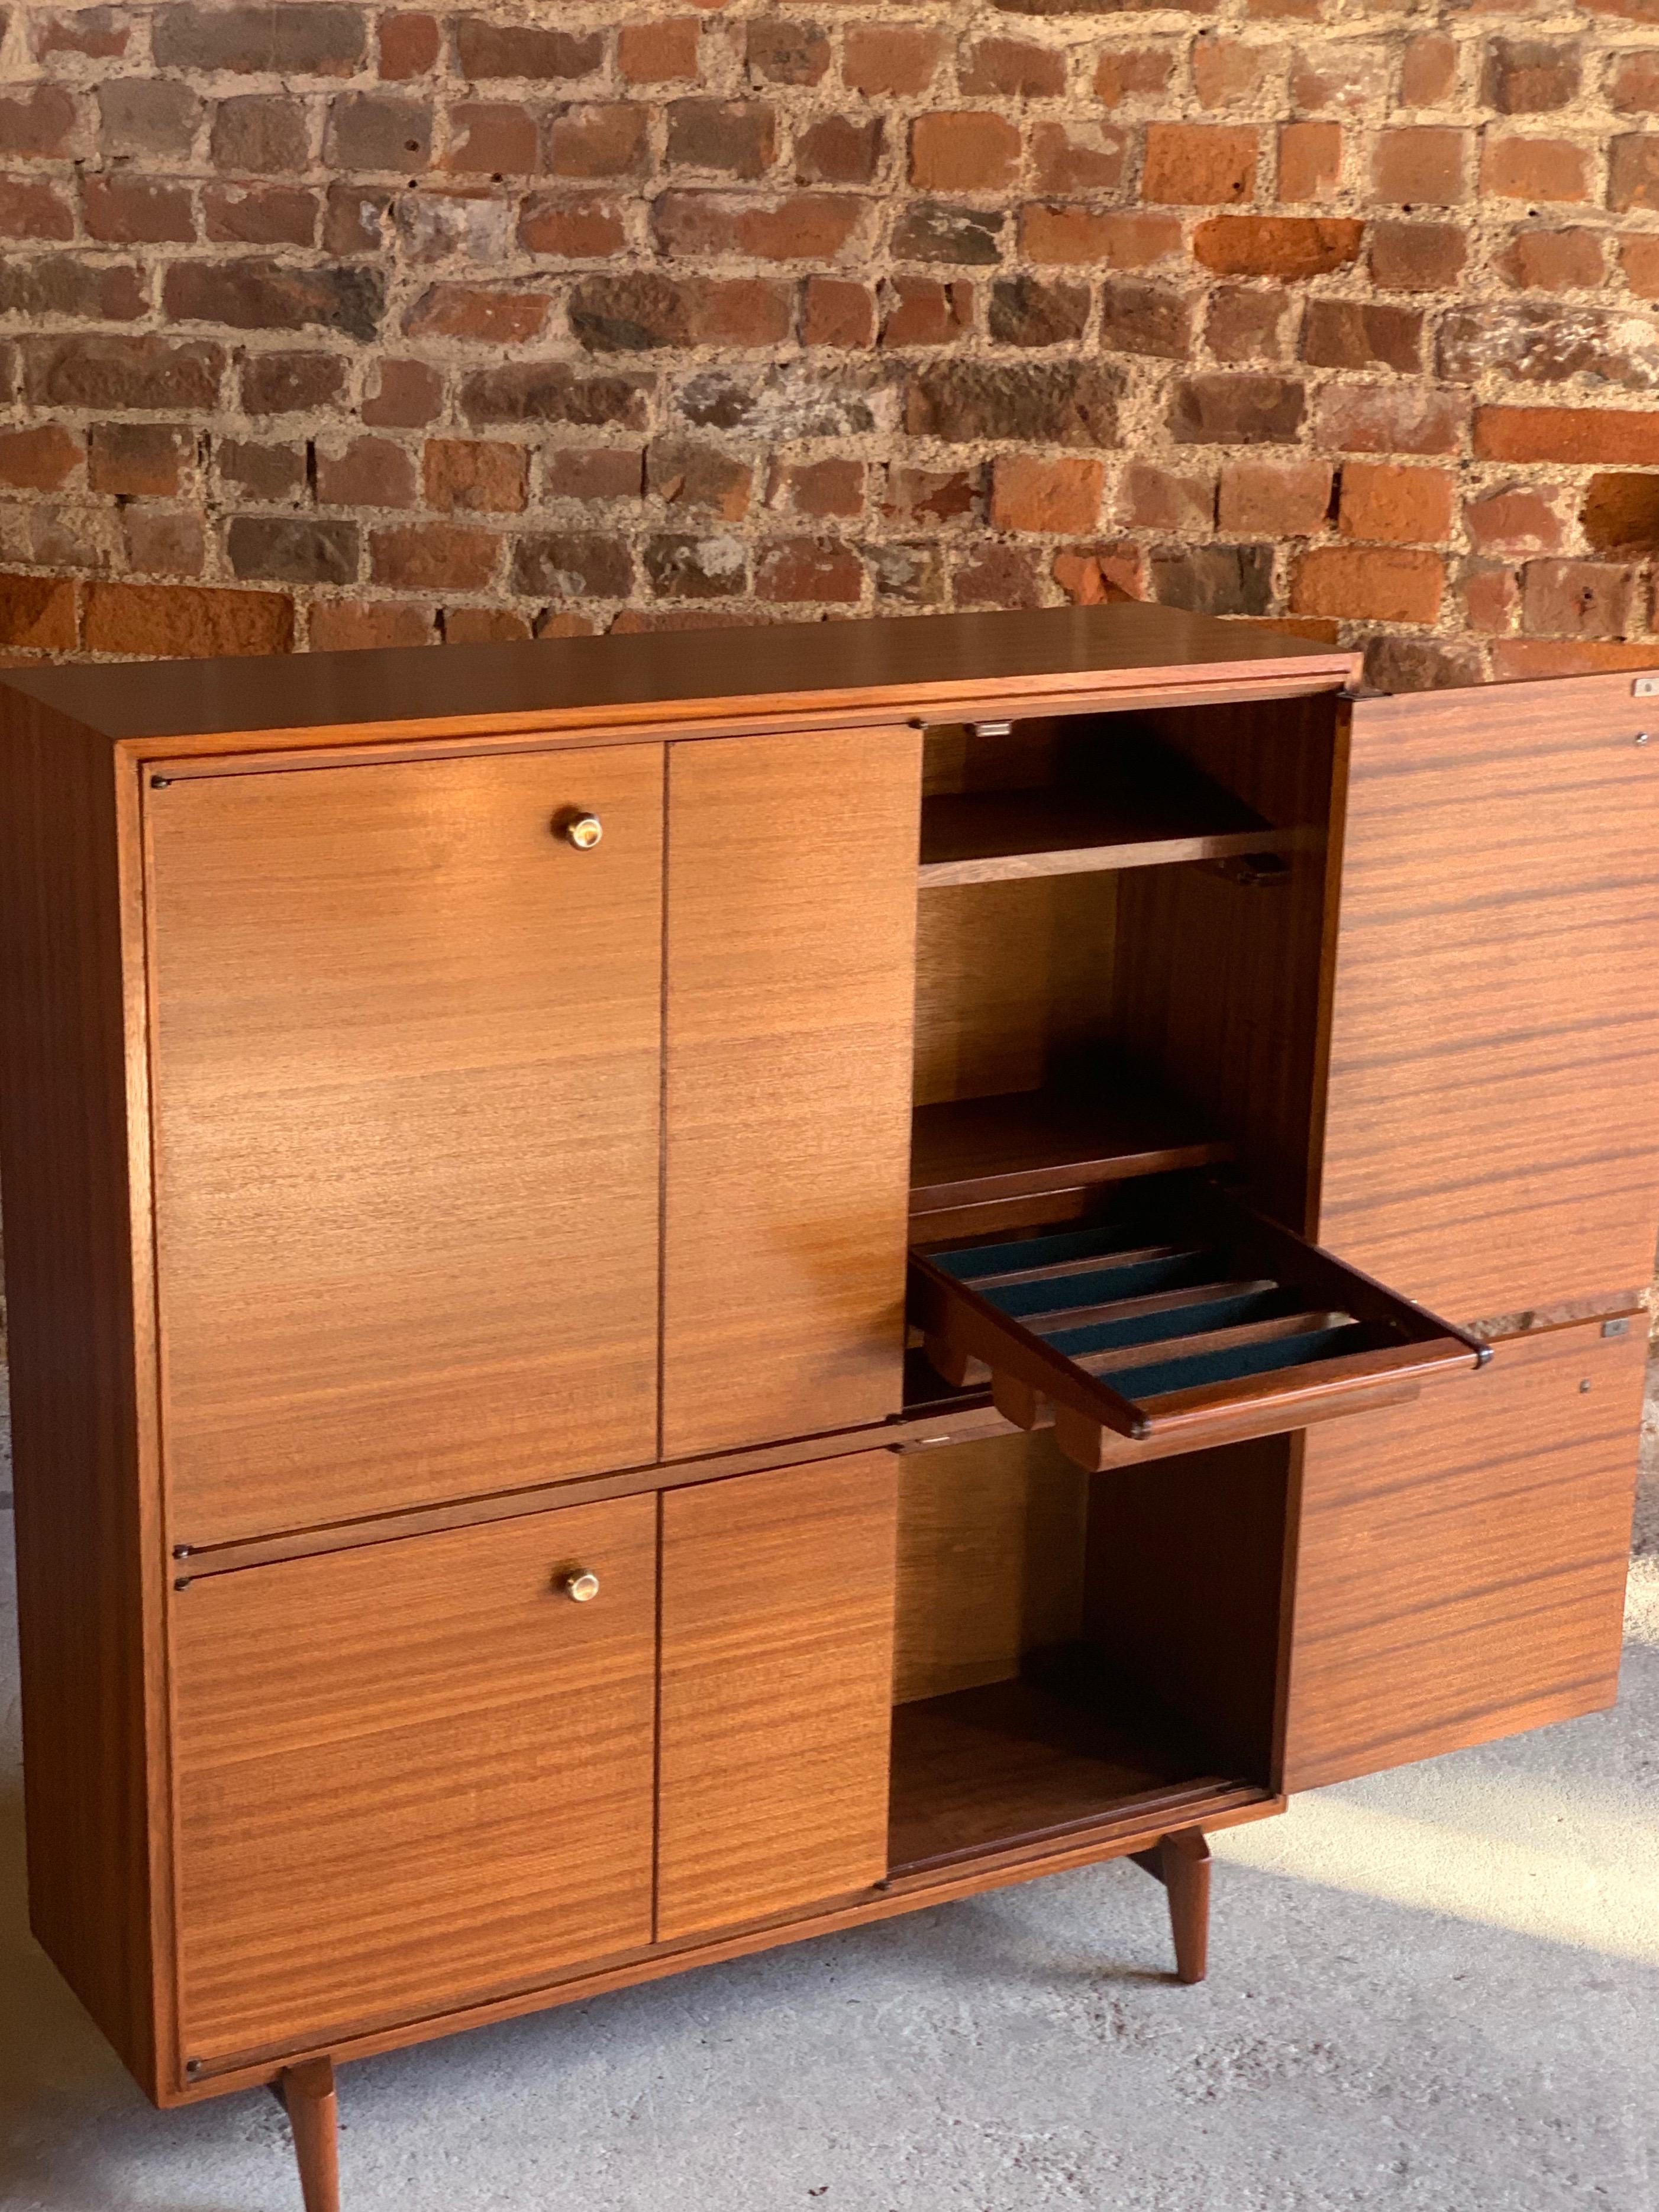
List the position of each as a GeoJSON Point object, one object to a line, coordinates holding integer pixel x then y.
{"type": "Point", "coordinates": [808, 667]}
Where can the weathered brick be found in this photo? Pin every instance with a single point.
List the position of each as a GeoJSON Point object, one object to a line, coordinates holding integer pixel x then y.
{"type": "Point", "coordinates": [1395, 506]}
{"type": "Point", "coordinates": [487, 49]}
{"type": "Point", "coordinates": [1174, 500]}
{"type": "Point", "coordinates": [1519, 168]}
{"type": "Point", "coordinates": [1076, 237]}
{"type": "Point", "coordinates": [1352, 75]}
{"type": "Point", "coordinates": [140, 460]}
{"type": "Point", "coordinates": [286, 382]}
{"type": "Point", "coordinates": [1384, 418]}
{"type": "Point", "coordinates": [1532, 342]}
{"type": "Point", "coordinates": [1048, 402]}
{"type": "Point", "coordinates": [913, 575]}
{"type": "Point", "coordinates": [37, 613]}
{"type": "Point", "coordinates": [836, 312]}
{"type": "Point", "coordinates": [1621, 514]}
{"type": "Point", "coordinates": [1287, 246]}
{"type": "Point", "coordinates": [1274, 499]}
{"type": "Point", "coordinates": [1417, 256]}
{"type": "Point", "coordinates": [778, 51]}
{"type": "Point", "coordinates": [401, 395]}
{"type": "Point", "coordinates": [1136, 317]}
{"type": "Point", "coordinates": [1132, 73]}
{"type": "Point", "coordinates": [1198, 164]}
{"type": "Point", "coordinates": [1085, 157]}
{"type": "Point", "coordinates": [554, 392]}
{"type": "Point", "coordinates": [702, 479]}
{"type": "Point", "coordinates": [1374, 583]}
{"type": "Point", "coordinates": [1575, 599]}
{"type": "Point", "coordinates": [1010, 69]}
{"type": "Point", "coordinates": [1361, 334]}
{"type": "Point", "coordinates": [997, 576]}
{"type": "Point", "coordinates": [1247, 322]}
{"type": "Point", "coordinates": [108, 373]}
{"type": "Point", "coordinates": [40, 457]}
{"type": "Point", "coordinates": [184, 621]}
{"type": "Point", "coordinates": [1059, 498]}
{"type": "Point", "coordinates": [433, 557]}
{"type": "Point", "coordinates": [1516, 520]}
{"type": "Point", "coordinates": [409, 44]}
{"type": "Point", "coordinates": [41, 124]}
{"type": "Point", "coordinates": [487, 314]}
{"type": "Point", "coordinates": [253, 294]}
{"type": "Point", "coordinates": [364, 472]}
{"type": "Point", "coordinates": [797, 227]}
{"type": "Point", "coordinates": [123, 208]}
{"type": "Point", "coordinates": [894, 58]}
{"type": "Point", "coordinates": [1420, 664]}
{"type": "Point", "coordinates": [260, 215]}
{"type": "Point", "coordinates": [595, 472]}
{"type": "Point", "coordinates": [604, 139]}
{"type": "Point", "coordinates": [826, 490]}
{"type": "Point", "coordinates": [1089, 575]}
{"type": "Point", "coordinates": [1028, 312]}
{"type": "Point", "coordinates": [1553, 260]}
{"type": "Point", "coordinates": [659, 52]}
{"type": "Point", "coordinates": [35, 207]}
{"type": "Point", "coordinates": [566, 564]}
{"type": "Point", "coordinates": [967, 237]}
{"type": "Point", "coordinates": [924, 311]}
{"type": "Point", "coordinates": [966, 151]}
{"type": "Point", "coordinates": [1242, 410]}
{"type": "Point", "coordinates": [258, 134]}
{"type": "Point", "coordinates": [1421, 165]}
{"type": "Point", "coordinates": [574, 229]}
{"type": "Point", "coordinates": [839, 149]}
{"type": "Point", "coordinates": [357, 625]}
{"type": "Point", "coordinates": [915, 496]}
{"type": "Point", "coordinates": [293, 39]}
{"type": "Point", "coordinates": [493, 138]}
{"type": "Point", "coordinates": [1530, 76]}
{"type": "Point", "coordinates": [62, 286]}
{"type": "Point", "coordinates": [141, 115]}
{"type": "Point", "coordinates": [810, 571]}
{"type": "Point", "coordinates": [682, 568]}
{"type": "Point", "coordinates": [100, 33]}
{"type": "Point", "coordinates": [1309, 161]}
{"type": "Point", "coordinates": [292, 549]}
{"type": "Point", "coordinates": [1214, 580]}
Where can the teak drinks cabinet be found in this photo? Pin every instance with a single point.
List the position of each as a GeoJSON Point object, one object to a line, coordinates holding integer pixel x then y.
{"type": "Point", "coordinates": [672, 1293]}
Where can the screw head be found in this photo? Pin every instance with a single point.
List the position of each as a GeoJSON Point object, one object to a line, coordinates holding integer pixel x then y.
{"type": "Point", "coordinates": [1643, 737]}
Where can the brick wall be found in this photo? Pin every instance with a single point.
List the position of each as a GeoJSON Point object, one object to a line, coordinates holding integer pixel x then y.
{"type": "Point", "coordinates": [326, 323]}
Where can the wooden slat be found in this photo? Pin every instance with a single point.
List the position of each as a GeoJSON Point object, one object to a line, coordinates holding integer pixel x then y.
{"type": "Point", "coordinates": [791, 983]}
{"type": "Point", "coordinates": [968, 1150]}
{"type": "Point", "coordinates": [776, 1689]}
{"type": "Point", "coordinates": [1461, 1566]}
{"type": "Point", "coordinates": [972, 837]}
{"type": "Point", "coordinates": [407, 1078]}
{"type": "Point", "coordinates": [412, 1776]}
{"type": "Point", "coordinates": [1490, 1144]}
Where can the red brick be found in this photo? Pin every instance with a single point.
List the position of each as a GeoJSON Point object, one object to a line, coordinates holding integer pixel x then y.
{"type": "Point", "coordinates": [1633, 88]}
{"type": "Point", "coordinates": [781, 52]}
{"type": "Point", "coordinates": [1246, 322]}
{"type": "Point", "coordinates": [571, 229]}
{"type": "Point", "coordinates": [291, 41]}
{"type": "Point", "coordinates": [997, 576]}
{"type": "Point", "coordinates": [1383, 418]}
{"type": "Point", "coordinates": [259, 136]}
{"type": "Point", "coordinates": [1491, 592]}
{"type": "Point", "coordinates": [42, 123]}
{"type": "Point", "coordinates": [595, 472]}
{"type": "Point", "coordinates": [1417, 256]}
{"type": "Point", "coordinates": [1132, 73]}
{"type": "Point", "coordinates": [49, 286]}
{"type": "Point", "coordinates": [258, 472]}
{"type": "Point", "coordinates": [365, 472]}
{"type": "Point", "coordinates": [1618, 436]}
{"type": "Point", "coordinates": [1092, 575]}
{"type": "Point", "coordinates": [1632, 172]}
{"type": "Point", "coordinates": [1226, 72]}
{"type": "Point", "coordinates": [1287, 246]}
{"type": "Point", "coordinates": [969, 151]}
{"type": "Point", "coordinates": [686, 567]}
{"type": "Point", "coordinates": [810, 571]}
{"type": "Point", "coordinates": [798, 227]}
{"type": "Point", "coordinates": [1148, 318]}
{"type": "Point", "coordinates": [477, 312]}
{"type": "Point", "coordinates": [1082, 156]}
{"type": "Point", "coordinates": [1309, 161]}
{"type": "Point", "coordinates": [1553, 260]}
{"type": "Point", "coordinates": [163, 543]}
{"type": "Point", "coordinates": [1198, 164]}
{"type": "Point", "coordinates": [469, 475]}
{"type": "Point", "coordinates": [1428, 70]}
{"type": "Point", "coordinates": [1059, 498]}
{"type": "Point", "coordinates": [1530, 76]}
{"type": "Point", "coordinates": [1077, 237]}
{"type": "Point", "coordinates": [1266, 499]}
{"type": "Point", "coordinates": [890, 58]}
{"type": "Point", "coordinates": [1235, 409]}
{"type": "Point", "coordinates": [604, 140]}
{"type": "Point", "coordinates": [182, 622]}
{"type": "Point", "coordinates": [255, 293]}
{"type": "Point", "coordinates": [922, 311]}
{"type": "Point", "coordinates": [685, 473]}
{"type": "Point", "coordinates": [37, 613]}
{"type": "Point", "coordinates": [40, 457]}
{"type": "Point", "coordinates": [424, 556]}
{"type": "Point", "coordinates": [1621, 514]}
{"type": "Point", "coordinates": [1025, 311]}
{"type": "Point", "coordinates": [401, 395]}
{"type": "Point", "coordinates": [1393, 506]}
{"type": "Point", "coordinates": [260, 215]}
{"type": "Point", "coordinates": [1534, 656]}
{"type": "Point", "coordinates": [33, 207]}
{"type": "Point", "coordinates": [357, 625]}
{"type": "Point", "coordinates": [839, 149]}
{"type": "Point", "coordinates": [1575, 599]}
{"type": "Point", "coordinates": [1369, 583]}
{"type": "Point", "coordinates": [293, 549]}
{"type": "Point", "coordinates": [379, 131]}
{"type": "Point", "coordinates": [1152, 497]}
{"type": "Point", "coordinates": [835, 312]}
{"type": "Point", "coordinates": [1516, 168]}
{"type": "Point", "coordinates": [410, 45]}
{"type": "Point", "coordinates": [1011, 69]}
{"type": "Point", "coordinates": [122, 209]}
{"type": "Point", "coordinates": [1517, 520]}
{"type": "Point", "coordinates": [1352, 75]}
{"type": "Point", "coordinates": [104, 371]}
{"type": "Point", "coordinates": [915, 496]}
{"type": "Point", "coordinates": [493, 138]}
{"type": "Point", "coordinates": [1638, 258]}
{"type": "Point", "coordinates": [660, 53]}
{"type": "Point", "coordinates": [1361, 334]}
{"type": "Point", "coordinates": [140, 460]}
{"type": "Point", "coordinates": [1421, 165]}
{"type": "Point", "coordinates": [733, 138]}
{"type": "Point", "coordinates": [100, 34]}
{"type": "Point", "coordinates": [484, 626]}
{"type": "Point", "coordinates": [487, 49]}
{"type": "Point", "coordinates": [823, 489]}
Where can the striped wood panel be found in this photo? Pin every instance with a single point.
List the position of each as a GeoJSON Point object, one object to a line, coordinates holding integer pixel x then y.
{"type": "Point", "coordinates": [1492, 1143]}
{"type": "Point", "coordinates": [1460, 1572]}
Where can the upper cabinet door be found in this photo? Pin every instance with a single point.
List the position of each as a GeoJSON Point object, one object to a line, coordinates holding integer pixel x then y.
{"type": "Point", "coordinates": [407, 1060]}
{"type": "Point", "coordinates": [792, 917]}
{"type": "Point", "coordinates": [1491, 1141]}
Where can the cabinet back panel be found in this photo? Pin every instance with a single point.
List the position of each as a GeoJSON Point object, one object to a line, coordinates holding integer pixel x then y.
{"type": "Point", "coordinates": [791, 938]}
{"type": "Point", "coordinates": [777, 1660]}
{"type": "Point", "coordinates": [1461, 1562]}
{"type": "Point", "coordinates": [411, 1776]}
{"type": "Point", "coordinates": [1490, 1143]}
{"type": "Point", "coordinates": [407, 1102]}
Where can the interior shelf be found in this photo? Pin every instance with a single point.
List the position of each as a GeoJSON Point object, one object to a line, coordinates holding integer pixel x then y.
{"type": "Point", "coordinates": [1017, 1762]}
{"type": "Point", "coordinates": [1145, 812]}
{"type": "Point", "coordinates": [966, 1150]}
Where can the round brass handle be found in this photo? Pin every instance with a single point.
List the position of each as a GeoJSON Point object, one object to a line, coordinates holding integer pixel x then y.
{"type": "Point", "coordinates": [580, 1585]}
{"type": "Point", "coordinates": [583, 831]}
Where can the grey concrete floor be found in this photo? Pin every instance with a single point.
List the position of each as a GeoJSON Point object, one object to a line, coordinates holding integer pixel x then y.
{"type": "Point", "coordinates": [1436, 1990]}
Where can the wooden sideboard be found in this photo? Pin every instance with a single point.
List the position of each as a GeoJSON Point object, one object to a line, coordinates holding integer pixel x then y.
{"type": "Point", "coordinates": [669, 1293]}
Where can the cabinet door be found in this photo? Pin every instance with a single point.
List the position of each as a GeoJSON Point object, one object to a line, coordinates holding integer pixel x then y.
{"type": "Point", "coordinates": [1491, 1141]}
{"type": "Point", "coordinates": [407, 1047]}
{"type": "Point", "coordinates": [412, 1775]}
{"type": "Point", "coordinates": [1460, 1569]}
{"type": "Point", "coordinates": [777, 1690]}
{"type": "Point", "coordinates": [791, 976]}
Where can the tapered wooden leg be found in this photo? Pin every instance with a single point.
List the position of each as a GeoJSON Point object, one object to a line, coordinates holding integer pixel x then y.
{"type": "Point", "coordinates": [1182, 1863]}
{"type": "Point", "coordinates": [307, 2095]}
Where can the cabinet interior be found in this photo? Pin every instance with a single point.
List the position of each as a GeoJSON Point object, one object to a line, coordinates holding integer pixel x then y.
{"type": "Point", "coordinates": [1072, 1647]}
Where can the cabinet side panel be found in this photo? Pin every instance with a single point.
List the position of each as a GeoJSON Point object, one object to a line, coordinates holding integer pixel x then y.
{"type": "Point", "coordinates": [777, 1663]}
{"type": "Point", "coordinates": [1461, 1561]}
{"type": "Point", "coordinates": [1490, 1143]}
{"type": "Point", "coordinates": [792, 915]}
{"type": "Point", "coordinates": [83, 1510]}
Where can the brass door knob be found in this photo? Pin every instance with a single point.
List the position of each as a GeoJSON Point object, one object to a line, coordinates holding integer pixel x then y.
{"type": "Point", "coordinates": [580, 1586]}
{"type": "Point", "coordinates": [582, 830]}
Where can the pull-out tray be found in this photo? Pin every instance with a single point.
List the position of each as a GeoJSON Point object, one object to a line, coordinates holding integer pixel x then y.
{"type": "Point", "coordinates": [1185, 1319]}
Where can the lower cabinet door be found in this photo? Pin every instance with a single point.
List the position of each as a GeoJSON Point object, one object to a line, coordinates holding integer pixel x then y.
{"type": "Point", "coordinates": [777, 1690]}
{"type": "Point", "coordinates": [411, 1775]}
{"type": "Point", "coordinates": [1461, 1561]}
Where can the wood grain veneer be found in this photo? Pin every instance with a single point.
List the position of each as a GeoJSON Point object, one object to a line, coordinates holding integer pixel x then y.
{"type": "Point", "coordinates": [789, 973]}
{"type": "Point", "coordinates": [407, 1071]}
{"type": "Point", "coordinates": [410, 1777]}
{"type": "Point", "coordinates": [1490, 1138]}
{"type": "Point", "coordinates": [73, 1158]}
{"type": "Point", "coordinates": [1461, 1564]}
{"type": "Point", "coordinates": [777, 1666]}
